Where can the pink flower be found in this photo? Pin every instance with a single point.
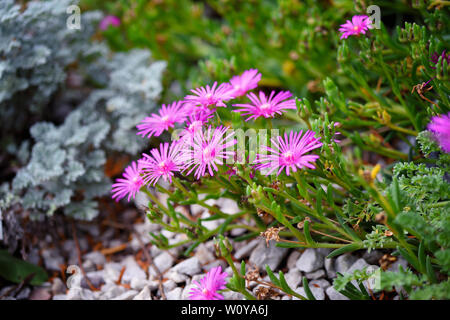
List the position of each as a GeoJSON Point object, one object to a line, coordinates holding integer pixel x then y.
{"type": "Point", "coordinates": [435, 58]}
{"type": "Point", "coordinates": [109, 21]}
{"type": "Point", "coordinates": [196, 122]}
{"type": "Point", "coordinates": [130, 185]}
{"type": "Point", "coordinates": [206, 149]}
{"type": "Point", "coordinates": [245, 82]}
{"type": "Point", "coordinates": [209, 285]}
{"type": "Point", "coordinates": [210, 96]}
{"type": "Point", "coordinates": [266, 107]}
{"type": "Point", "coordinates": [440, 126]}
{"type": "Point", "coordinates": [358, 25]}
{"type": "Point", "coordinates": [289, 153]}
{"type": "Point", "coordinates": [168, 116]}
{"type": "Point", "coordinates": [162, 163]}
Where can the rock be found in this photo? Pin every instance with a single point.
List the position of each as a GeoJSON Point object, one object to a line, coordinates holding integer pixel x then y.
{"type": "Point", "coordinates": [318, 293]}
{"type": "Point", "coordinates": [245, 251]}
{"type": "Point", "coordinates": [231, 295]}
{"type": "Point", "coordinates": [163, 261]}
{"type": "Point", "coordinates": [138, 284]}
{"type": "Point", "coordinates": [60, 297]}
{"type": "Point", "coordinates": [329, 267]}
{"type": "Point", "coordinates": [132, 270]}
{"type": "Point", "coordinates": [358, 265]}
{"type": "Point", "coordinates": [344, 262]}
{"type": "Point", "coordinates": [373, 257]}
{"type": "Point", "coordinates": [310, 260]}
{"type": "Point", "coordinates": [52, 259]}
{"type": "Point", "coordinates": [58, 287]}
{"type": "Point", "coordinates": [203, 254]}
{"type": "Point", "coordinates": [96, 278]}
{"type": "Point", "coordinates": [155, 251]}
{"type": "Point", "coordinates": [40, 294]}
{"type": "Point", "coordinates": [144, 294]}
{"type": "Point", "coordinates": [176, 277]}
{"type": "Point", "coordinates": [228, 206]}
{"type": "Point", "coordinates": [293, 278]}
{"type": "Point", "coordinates": [400, 262]}
{"type": "Point", "coordinates": [111, 291]}
{"type": "Point", "coordinates": [320, 283]}
{"type": "Point", "coordinates": [189, 266]}
{"type": "Point", "coordinates": [96, 257]}
{"type": "Point", "coordinates": [286, 298]}
{"type": "Point", "coordinates": [169, 285]}
{"type": "Point", "coordinates": [315, 275]}
{"type": "Point", "coordinates": [185, 294]}
{"type": "Point", "coordinates": [197, 209]}
{"type": "Point", "coordinates": [271, 256]}
{"type": "Point", "coordinates": [128, 295]}
{"type": "Point", "coordinates": [23, 294]}
{"type": "Point", "coordinates": [334, 295]}
{"type": "Point", "coordinates": [174, 294]}
{"type": "Point", "coordinates": [292, 259]}
{"type": "Point", "coordinates": [214, 264]}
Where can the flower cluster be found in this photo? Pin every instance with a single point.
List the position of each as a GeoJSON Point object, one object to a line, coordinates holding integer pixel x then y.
{"type": "Point", "coordinates": [202, 149]}
{"type": "Point", "coordinates": [209, 285]}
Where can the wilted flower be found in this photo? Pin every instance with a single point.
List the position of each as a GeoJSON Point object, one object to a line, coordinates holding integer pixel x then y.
{"type": "Point", "coordinates": [266, 107]}
{"type": "Point", "coordinates": [209, 285]}
{"type": "Point", "coordinates": [247, 81]}
{"type": "Point", "coordinates": [206, 149]}
{"type": "Point", "coordinates": [109, 21]}
{"type": "Point", "coordinates": [156, 124]}
{"type": "Point", "coordinates": [289, 153]}
{"type": "Point", "coordinates": [435, 58]}
{"type": "Point", "coordinates": [358, 25]}
{"type": "Point", "coordinates": [210, 96]}
{"type": "Point", "coordinates": [440, 126]}
{"type": "Point", "coordinates": [130, 185]}
{"type": "Point", "coordinates": [162, 163]}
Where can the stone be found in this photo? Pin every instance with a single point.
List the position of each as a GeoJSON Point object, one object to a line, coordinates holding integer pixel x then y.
{"type": "Point", "coordinates": [52, 259]}
{"type": "Point", "coordinates": [58, 286]}
{"type": "Point", "coordinates": [163, 262]}
{"type": "Point", "coordinates": [329, 267]}
{"type": "Point", "coordinates": [286, 298]}
{"type": "Point", "coordinates": [293, 278]}
{"type": "Point", "coordinates": [128, 295]}
{"type": "Point", "coordinates": [400, 262]}
{"type": "Point", "coordinates": [40, 294]}
{"type": "Point", "coordinates": [292, 259]}
{"type": "Point", "coordinates": [132, 270]}
{"type": "Point", "coordinates": [185, 294]}
{"type": "Point", "coordinates": [318, 293]}
{"type": "Point", "coordinates": [203, 254]}
{"type": "Point", "coordinates": [215, 264]}
{"type": "Point", "coordinates": [138, 284]}
{"type": "Point", "coordinates": [373, 256]}
{"type": "Point", "coordinates": [315, 275]}
{"type": "Point", "coordinates": [344, 262]}
{"type": "Point", "coordinates": [144, 294]}
{"type": "Point", "coordinates": [320, 283]}
{"type": "Point", "coordinates": [245, 251]}
{"type": "Point", "coordinates": [189, 266]}
{"type": "Point", "coordinates": [334, 295]}
{"type": "Point", "coordinates": [174, 294]}
{"type": "Point", "coordinates": [271, 256]}
{"type": "Point", "coordinates": [358, 265]}
{"type": "Point", "coordinates": [96, 257]}
{"type": "Point", "coordinates": [169, 285]}
{"type": "Point", "coordinates": [111, 291]}
{"type": "Point", "coordinates": [96, 278]}
{"type": "Point", "coordinates": [176, 277]}
{"type": "Point", "coordinates": [228, 206]}
{"type": "Point", "coordinates": [310, 261]}
{"type": "Point", "coordinates": [231, 295]}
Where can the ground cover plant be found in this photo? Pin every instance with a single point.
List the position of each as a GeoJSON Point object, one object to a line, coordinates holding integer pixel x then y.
{"type": "Point", "coordinates": [328, 125]}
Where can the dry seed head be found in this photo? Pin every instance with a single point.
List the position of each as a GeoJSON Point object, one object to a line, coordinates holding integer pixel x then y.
{"type": "Point", "coordinates": [271, 234]}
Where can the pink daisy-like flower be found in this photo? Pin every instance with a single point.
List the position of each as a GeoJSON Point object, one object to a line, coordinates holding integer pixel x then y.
{"type": "Point", "coordinates": [210, 96]}
{"type": "Point", "coordinates": [206, 149]}
{"type": "Point", "coordinates": [168, 116]}
{"type": "Point", "coordinates": [247, 81]}
{"type": "Point", "coordinates": [130, 185]}
{"type": "Point", "coordinates": [358, 25]}
{"type": "Point", "coordinates": [209, 285]}
{"type": "Point", "coordinates": [196, 122]}
{"type": "Point", "coordinates": [440, 126]}
{"type": "Point", "coordinates": [289, 153]}
{"type": "Point", "coordinates": [266, 107]}
{"type": "Point", "coordinates": [109, 21]}
{"type": "Point", "coordinates": [162, 163]}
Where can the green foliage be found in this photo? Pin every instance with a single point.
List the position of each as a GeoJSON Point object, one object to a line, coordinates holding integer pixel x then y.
{"type": "Point", "coordinates": [16, 270]}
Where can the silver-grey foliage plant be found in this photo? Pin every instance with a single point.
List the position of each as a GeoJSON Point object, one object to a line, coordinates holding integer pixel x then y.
{"type": "Point", "coordinates": [67, 161]}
